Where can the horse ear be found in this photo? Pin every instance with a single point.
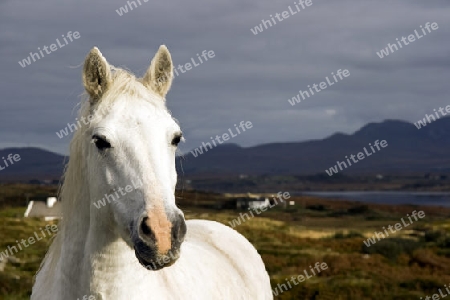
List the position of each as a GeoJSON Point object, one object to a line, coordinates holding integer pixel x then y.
{"type": "Point", "coordinates": [159, 75]}
{"type": "Point", "coordinates": [96, 74]}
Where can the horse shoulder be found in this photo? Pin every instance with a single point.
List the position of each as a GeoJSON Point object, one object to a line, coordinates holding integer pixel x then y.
{"type": "Point", "coordinates": [236, 250]}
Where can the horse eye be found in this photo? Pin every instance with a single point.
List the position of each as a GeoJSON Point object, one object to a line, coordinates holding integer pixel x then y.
{"type": "Point", "coordinates": [176, 140]}
{"type": "Point", "coordinates": [100, 143]}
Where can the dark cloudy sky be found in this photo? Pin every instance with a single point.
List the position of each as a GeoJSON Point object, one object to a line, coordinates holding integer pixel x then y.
{"type": "Point", "coordinates": [250, 78]}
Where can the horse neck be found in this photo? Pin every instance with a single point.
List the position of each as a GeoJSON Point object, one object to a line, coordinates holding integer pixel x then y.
{"type": "Point", "coordinates": [69, 246]}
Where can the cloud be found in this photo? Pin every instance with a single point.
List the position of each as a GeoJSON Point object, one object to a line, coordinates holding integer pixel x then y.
{"type": "Point", "coordinates": [250, 78]}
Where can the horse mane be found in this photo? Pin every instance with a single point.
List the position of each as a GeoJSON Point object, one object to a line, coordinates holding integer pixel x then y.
{"type": "Point", "coordinates": [73, 191]}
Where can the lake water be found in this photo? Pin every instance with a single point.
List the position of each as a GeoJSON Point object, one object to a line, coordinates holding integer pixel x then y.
{"type": "Point", "coordinates": [394, 198]}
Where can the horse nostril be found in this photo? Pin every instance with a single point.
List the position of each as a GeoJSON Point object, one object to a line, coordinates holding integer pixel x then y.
{"type": "Point", "coordinates": [179, 230]}
{"type": "Point", "coordinates": [144, 227]}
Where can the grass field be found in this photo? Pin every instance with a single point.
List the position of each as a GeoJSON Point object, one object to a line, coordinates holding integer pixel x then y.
{"type": "Point", "coordinates": [412, 264]}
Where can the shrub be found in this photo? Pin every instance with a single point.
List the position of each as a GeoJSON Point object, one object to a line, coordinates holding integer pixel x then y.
{"type": "Point", "coordinates": [360, 209]}
{"type": "Point", "coordinates": [433, 236]}
{"type": "Point", "coordinates": [439, 237]}
{"type": "Point", "coordinates": [351, 234]}
{"type": "Point", "coordinates": [391, 248]}
{"type": "Point", "coordinates": [317, 207]}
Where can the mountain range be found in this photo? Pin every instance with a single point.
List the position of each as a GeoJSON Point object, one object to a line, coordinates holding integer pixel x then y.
{"type": "Point", "coordinates": [409, 150]}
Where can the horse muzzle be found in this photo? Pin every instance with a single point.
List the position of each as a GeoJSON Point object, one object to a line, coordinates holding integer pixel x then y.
{"type": "Point", "coordinates": [157, 239]}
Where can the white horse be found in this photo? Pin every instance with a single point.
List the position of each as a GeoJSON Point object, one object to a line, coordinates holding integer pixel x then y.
{"type": "Point", "coordinates": [138, 245]}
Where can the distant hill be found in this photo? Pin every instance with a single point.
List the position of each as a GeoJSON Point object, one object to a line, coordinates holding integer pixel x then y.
{"type": "Point", "coordinates": [35, 163]}
{"type": "Point", "coordinates": [409, 150]}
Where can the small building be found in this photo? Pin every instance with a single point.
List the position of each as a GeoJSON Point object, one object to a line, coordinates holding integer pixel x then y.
{"type": "Point", "coordinates": [48, 210]}
{"type": "Point", "coordinates": [252, 203]}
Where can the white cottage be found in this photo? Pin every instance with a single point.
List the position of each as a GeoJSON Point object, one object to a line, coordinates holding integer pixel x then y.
{"type": "Point", "coordinates": [49, 210]}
